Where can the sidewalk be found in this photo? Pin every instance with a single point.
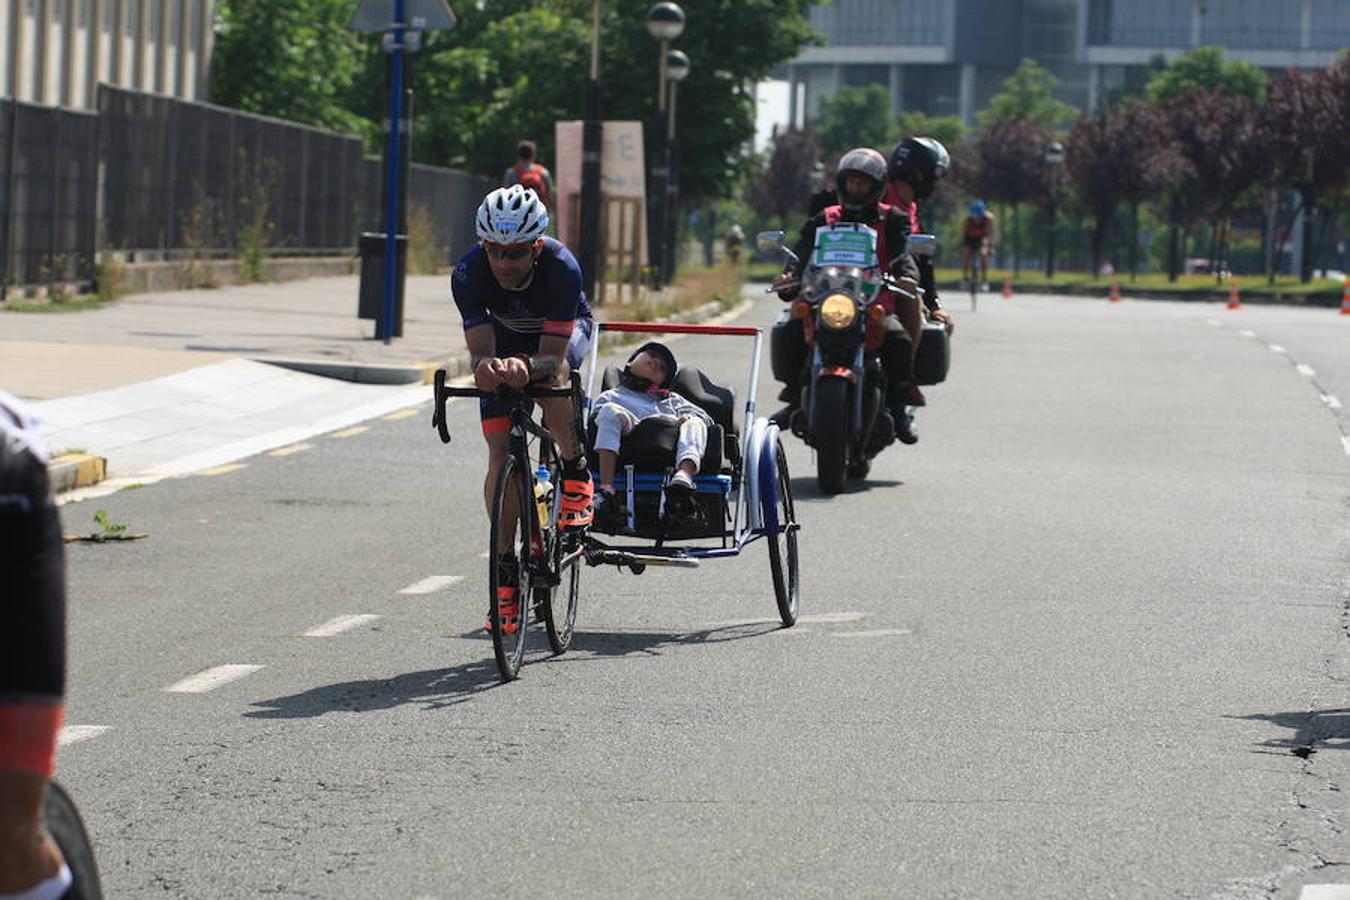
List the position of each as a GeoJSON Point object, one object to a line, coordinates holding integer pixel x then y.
{"type": "Point", "coordinates": [167, 383]}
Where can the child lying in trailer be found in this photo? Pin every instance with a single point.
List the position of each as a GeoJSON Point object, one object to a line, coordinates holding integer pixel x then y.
{"type": "Point", "coordinates": [643, 393]}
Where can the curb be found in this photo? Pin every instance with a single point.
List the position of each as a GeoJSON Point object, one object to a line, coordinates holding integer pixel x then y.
{"type": "Point", "coordinates": [360, 373]}
{"type": "Point", "coordinates": [75, 470]}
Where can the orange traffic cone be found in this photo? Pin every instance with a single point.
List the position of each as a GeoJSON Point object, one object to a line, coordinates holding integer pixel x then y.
{"type": "Point", "coordinates": [1007, 289]}
{"type": "Point", "coordinates": [1345, 298]}
{"type": "Point", "coordinates": [1233, 301]}
{"type": "Point", "coordinates": [1114, 294]}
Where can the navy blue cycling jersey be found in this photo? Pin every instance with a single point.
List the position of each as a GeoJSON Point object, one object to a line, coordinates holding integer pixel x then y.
{"type": "Point", "coordinates": [550, 302]}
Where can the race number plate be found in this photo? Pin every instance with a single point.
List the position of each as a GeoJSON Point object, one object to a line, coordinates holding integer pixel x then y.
{"type": "Point", "coordinates": [845, 244]}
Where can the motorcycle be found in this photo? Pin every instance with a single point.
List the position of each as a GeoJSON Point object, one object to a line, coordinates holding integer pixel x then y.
{"type": "Point", "coordinates": [842, 413]}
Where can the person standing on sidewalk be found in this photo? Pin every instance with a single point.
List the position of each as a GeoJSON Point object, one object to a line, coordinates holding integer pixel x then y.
{"type": "Point", "coordinates": [526, 321]}
{"type": "Point", "coordinates": [529, 173]}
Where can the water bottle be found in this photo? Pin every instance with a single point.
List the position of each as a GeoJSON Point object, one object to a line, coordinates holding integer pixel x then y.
{"type": "Point", "coordinates": [543, 491]}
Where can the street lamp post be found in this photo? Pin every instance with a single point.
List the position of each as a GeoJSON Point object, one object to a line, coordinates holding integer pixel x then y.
{"type": "Point", "coordinates": [677, 67]}
{"type": "Point", "coordinates": [665, 22]}
{"type": "Point", "coordinates": [402, 22]}
{"type": "Point", "coordinates": [590, 165]}
{"type": "Point", "coordinates": [1054, 159]}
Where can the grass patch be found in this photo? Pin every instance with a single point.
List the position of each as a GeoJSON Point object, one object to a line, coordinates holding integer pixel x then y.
{"type": "Point", "coordinates": [76, 304]}
{"type": "Point", "coordinates": [693, 287]}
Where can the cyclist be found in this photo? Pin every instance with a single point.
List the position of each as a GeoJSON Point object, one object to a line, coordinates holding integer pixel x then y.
{"type": "Point", "coordinates": [526, 320]}
{"type": "Point", "coordinates": [859, 182]}
{"type": "Point", "coordinates": [977, 236]}
{"type": "Point", "coordinates": [917, 164]}
{"type": "Point", "coordinates": [32, 660]}
{"type": "Point", "coordinates": [529, 173]}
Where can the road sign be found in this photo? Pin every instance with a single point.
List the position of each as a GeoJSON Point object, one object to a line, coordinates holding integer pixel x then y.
{"type": "Point", "coordinates": [422, 15]}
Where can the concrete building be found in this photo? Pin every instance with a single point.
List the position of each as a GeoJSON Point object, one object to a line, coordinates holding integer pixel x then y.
{"type": "Point", "coordinates": [948, 57]}
{"type": "Point", "coordinates": [55, 52]}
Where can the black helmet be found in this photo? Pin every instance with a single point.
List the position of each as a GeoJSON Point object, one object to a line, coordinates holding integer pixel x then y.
{"type": "Point", "coordinates": [920, 162]}
{"type": "Point", "coordinates": [868, 163]}
{"type": "Point", "coordinates": [667, 358]}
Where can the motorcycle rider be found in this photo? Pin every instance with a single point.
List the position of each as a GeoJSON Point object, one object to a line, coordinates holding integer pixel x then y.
{"type": "Point", "coordinates": [917, 164]}
{"type": "Point", "coordinates": [859, 182]}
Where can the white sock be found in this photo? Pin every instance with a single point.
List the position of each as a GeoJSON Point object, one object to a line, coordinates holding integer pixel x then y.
{"type": "Point", "coordinates": [51, 889]}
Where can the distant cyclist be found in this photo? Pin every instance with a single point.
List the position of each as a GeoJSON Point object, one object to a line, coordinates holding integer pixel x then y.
{"type": "Point", "coordinates": [977, 236]}
{"type": "Point", "coordinates": [526, 320]}
{"type": "Point", "coordinates": [530, 173]}
{"type": "Point", "coordinates": [32, 666]}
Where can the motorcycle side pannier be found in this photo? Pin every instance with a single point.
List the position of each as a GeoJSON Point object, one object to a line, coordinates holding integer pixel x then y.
{"type": "Point", "coordinates": [934, 356]}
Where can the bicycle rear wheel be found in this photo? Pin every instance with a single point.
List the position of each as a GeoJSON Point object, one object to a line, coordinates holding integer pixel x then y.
{"type": "Point", "coordinates": [510, 648]}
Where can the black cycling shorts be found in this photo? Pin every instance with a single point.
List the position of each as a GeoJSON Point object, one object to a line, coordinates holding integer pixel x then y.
{"type": "Point", "coordinates": [32, 611]}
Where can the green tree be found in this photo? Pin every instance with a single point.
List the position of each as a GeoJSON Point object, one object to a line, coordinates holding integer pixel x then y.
{"type": "Point", "coordinates": [947, 129]}
{"type": "Point", "coordinates": [291, 59]}
{"type": "Point", "coordinates": [856, 117]}
{"type": "Point", "coordinates": [1206, 69]}
{"type": "Point", "coordinates": [1028, 95]}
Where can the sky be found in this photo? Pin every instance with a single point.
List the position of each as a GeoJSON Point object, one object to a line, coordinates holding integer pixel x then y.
{"type": "Point", "coordinates": [773, 110]}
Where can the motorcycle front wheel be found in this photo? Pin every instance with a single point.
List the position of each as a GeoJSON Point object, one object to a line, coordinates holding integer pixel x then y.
{"type": "Point", "coordinates": [830, 427]}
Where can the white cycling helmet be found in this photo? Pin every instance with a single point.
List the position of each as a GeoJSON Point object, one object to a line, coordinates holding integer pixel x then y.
{"type": "Point", "coordinates": [511, 215]}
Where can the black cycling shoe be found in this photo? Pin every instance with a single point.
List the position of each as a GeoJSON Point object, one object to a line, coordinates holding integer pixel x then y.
{"type": "Point", "coordinates": [611, 513]}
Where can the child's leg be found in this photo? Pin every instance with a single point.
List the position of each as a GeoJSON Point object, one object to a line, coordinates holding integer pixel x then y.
{"type": "Point", "coordinates": [693, 442]}
{"type": "Point", "coordinates": [609, 461]}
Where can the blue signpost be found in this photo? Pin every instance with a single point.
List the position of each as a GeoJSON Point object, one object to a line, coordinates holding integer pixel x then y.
{"type": "Point", "coordinates": [402, 21]}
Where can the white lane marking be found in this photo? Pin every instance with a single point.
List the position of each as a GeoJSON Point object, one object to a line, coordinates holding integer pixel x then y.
{"type": "Point", "coordinates": [1325, 892]}
{"type": "Point", "coordinates": [1331, 401]}
{"type": "Point", "coordinates": [1276, 348]}
{"type": "Point", "coordinates": [339, 625]}
{"type": "Point", "coordinates": [431, 584]}
{"type": "Point", "coordinates": [874, 632]}
{"type": "Point", "coordinates": [1247, 333]}
{"type": "Point", "coordinates": [832, 618]}
{"type": "Point", "coordinates": [817, 619]}
{"type": "Point", "coordinates": [73, 734]}
{"type": "Point", "coordinates": [1345, 442]}
{"type": "Point", "coordinates": [1215, 322]}
{"type": "Point", "coordinates": [1305, 370]}
{"type": "Point", "coordinates": [484, 555]}
{"type": "Point", "coordinates": [211, 679]}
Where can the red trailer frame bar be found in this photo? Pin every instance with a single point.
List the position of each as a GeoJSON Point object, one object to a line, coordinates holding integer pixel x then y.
{"type": "Point", "coordinates": [673, 328]}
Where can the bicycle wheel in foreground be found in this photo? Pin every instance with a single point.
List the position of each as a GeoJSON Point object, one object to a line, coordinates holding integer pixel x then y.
{"type": "Point", "coordinates": [67, 829]}
{"type": "Point", "coordinates": [782, 542]}
{"type": "Point", "coordinates": [512, 489]}
{"type": "Point", "coordinates": [557, 605]}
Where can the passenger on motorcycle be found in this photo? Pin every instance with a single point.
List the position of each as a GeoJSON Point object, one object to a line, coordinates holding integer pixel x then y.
{"type": "Point", "coordinates": [917, 164]}
{"type": "Point", "coordinates": [859, 181]}
{"type": "Point", "coordinates": [526, 320]}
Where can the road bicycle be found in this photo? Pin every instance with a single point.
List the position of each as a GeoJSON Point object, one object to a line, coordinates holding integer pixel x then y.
{"type": "Point", "coordinates": [526, 503]}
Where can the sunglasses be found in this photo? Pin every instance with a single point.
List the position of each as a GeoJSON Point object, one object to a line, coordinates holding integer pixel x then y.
{"type": "Point", "coordinates": [498, 251]}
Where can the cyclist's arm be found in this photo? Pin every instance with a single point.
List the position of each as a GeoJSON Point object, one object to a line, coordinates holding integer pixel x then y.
{"type": "Point", "coordinates": [488, 371]}
{"type": "Point", "coordinates": [547, 362]}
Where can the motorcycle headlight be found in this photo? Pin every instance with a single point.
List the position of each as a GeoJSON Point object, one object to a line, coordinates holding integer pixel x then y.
{"type": "Point", "coordinates": [838, 311]}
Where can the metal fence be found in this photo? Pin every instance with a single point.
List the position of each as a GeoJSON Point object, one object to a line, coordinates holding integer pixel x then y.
{"type": "Point", "coordinates": [166, 178]}
{"type": "Point", "coordinates": [48, 193]}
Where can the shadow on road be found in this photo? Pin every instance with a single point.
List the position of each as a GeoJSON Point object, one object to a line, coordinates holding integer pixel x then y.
{"type": "Point", "coordinates": [805, 489]}
{"type": "Point", "coordinates": [435, 688]}
{"type": "Point", "coordinates": [1318, 729]}
{"type": "Point", "coordinates": [432, 687]}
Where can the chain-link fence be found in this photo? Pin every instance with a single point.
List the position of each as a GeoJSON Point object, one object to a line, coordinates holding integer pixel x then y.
{"type": "Point", "coordinates": [164, 178]}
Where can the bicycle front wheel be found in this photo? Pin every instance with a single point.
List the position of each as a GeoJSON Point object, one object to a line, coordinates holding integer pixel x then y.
{"type": "Point", "coordinates": [512, 510]}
